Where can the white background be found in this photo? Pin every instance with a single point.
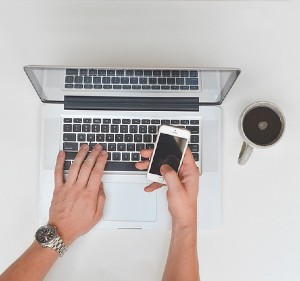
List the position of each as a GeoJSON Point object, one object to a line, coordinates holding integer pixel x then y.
{"type": "Point", "coordinates": [260, 236]}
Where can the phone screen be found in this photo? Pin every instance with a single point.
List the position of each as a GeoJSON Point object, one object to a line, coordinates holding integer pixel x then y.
{"type": "Point", "coordinates": [169, 151]}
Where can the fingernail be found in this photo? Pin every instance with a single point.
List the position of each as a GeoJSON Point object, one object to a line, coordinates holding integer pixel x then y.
{"type": "Point", "coordinates": [84, 147]}
{"type": "Point", "coordinates": [163, 167]}
{"type": "Point", "coordinates": [103, 152]}
{"type": "Point", "coordinates": [98, 146]}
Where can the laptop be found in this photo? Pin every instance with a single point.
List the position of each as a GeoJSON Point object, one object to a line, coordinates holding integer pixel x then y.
{"type": "Point", "coordinates": [122, 109]}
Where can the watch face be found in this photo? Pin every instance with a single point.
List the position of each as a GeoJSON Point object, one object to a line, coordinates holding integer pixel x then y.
{"type": "Point", "coordinates": [45, 234]}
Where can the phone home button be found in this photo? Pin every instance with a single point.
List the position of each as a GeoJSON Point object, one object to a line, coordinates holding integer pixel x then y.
{"type": "Point", "coordinates": [161, 179]}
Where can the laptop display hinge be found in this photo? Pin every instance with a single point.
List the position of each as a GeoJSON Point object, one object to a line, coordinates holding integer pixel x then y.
{"type": "Point", "coordinates": [131, 103]}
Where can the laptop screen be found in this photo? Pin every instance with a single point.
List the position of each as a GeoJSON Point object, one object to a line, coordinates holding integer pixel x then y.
{"type": "Point", "coordinates": [209, 85]}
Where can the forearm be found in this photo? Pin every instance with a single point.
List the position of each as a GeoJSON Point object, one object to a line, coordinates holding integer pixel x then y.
{"type": "Point", "coordinates": [33, 265]}
{"type": "Point", "coordinates": [182, 262]}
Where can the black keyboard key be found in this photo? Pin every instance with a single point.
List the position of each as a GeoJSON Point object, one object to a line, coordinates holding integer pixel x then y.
{"type": "Point", "coordinates": [134, 80]}
{"type": "Point", "coordinates": [156, 73]}
{"type": "Point", "coordinates": [155, 121]}
{"type": "Point", "coordinates": [104, 128]}
{"type": "Point", "coordinates": [179, 81]}
{"type": "Point", "coordinates": [147, 72]}
{"type": "Point", "coordinates": [117, 87]}
{"type": "Point", "coordinates": [193, 129]}
{"type": "Point", "coordinates": [67, 128]}
{"type": "Point", "coordinates": [110, 138]}
{"type": "Point", "coordinates": [108, 156]}
{"type": "Point", "coordinates": [116, 156]}
{"type": "Point", "coordinates": [194, 122]}
{"type": "Point", "coordinates": [90, 137]}
{"type": "Point", "coordinates": [138, 138]}
{"type": "Point", "coordinates": [194, 138]}
{"type": "Point", "coordinates": [106, 121]}
{"type": "Point", "coordinates": [128, 138]}
{"type": "Point", "coordinates": [152, 129]}
{"type": "Point", "coordinates": [98, 87]}
{"type": "Point", "coordinates": [145, 121]}
{"type": "Point", "coordinates": [143, 129]}
{"type": "Point", "coordinates": [175, 73]}
{"type": "Point", "coordinates": [126, 121]}
{"type": "Point", "coordinates": [125, 156]}
{"type": "Point", "coordinates": [136, 121]}
{"type": "Point", "coordinates": [147, 138]}
{"type": "Point", "coordinates": [166, 73]}
{"type": "Point", "coordinates": [146, 87]}
{"type": "Point", "coordinates": [193, 73]}
{"type": "Point", "coordinates": [78, 79]}
{"type": "Point", "coordinates": [87, 120]}
{"type": "Point", "coordinates": [139, 72]}
{"type": "Point", "coordinates": [114, 128]}
{"type": "Point", "coordinates": [119, 138]}
{"type": "Point", "coordinates": [93, 72]}
{"type": "Point", "coordinates": [67, 120]}
{"type": "Point", "coordinates": [72, 146]}
{"type": "Point", "coordinates": [171, 81]}
{"type": "Point", "coordinates": [111, 147]}
{"type": "Point", "coordinates": [194, 88]}
{"type": "Point", "coordinates": [139, 146]}
{"type": "Point", "coordinates": [99, 137]}
{"type": "Point", "coordinates": [130, 147]}
{"type": "Point", "coordinates": [149, 145]}
{"type": "Point", "coordinates": [88, 79]}
{"type": "Point", "coordinates": [95, 128]}
{"type": "Point", "coordinates": [83, 72]}
{"type": "Point", "coordinates": [69, 79]}
{"type": "Point", "coordinates": [184, 122]}
{"type": "Point", "coordinates": [77, 120]}
{"type": "Point", "coordinates": [88, 86]}
{"type": "Point", "coordinates": [196, 156]}
{"type": "Point", "coordinates": [81, 137]}
{"type": "Point", "coordinates": [78, 86]}
{"type": "Point", "coordinates": [184, 87]}
{"type": "Point", "coordinates": [135, 156]}
{"type": "Point", "coordinates": [133, 129]}
{"type": "Point", "coordinates": [69, 137]}
{"type": "Point", "coordinates": [191, 81]}
{"type": "Point", "coordinates": [116, 121]}
{"type": "Point", "coordinates": [111, 72]}
{"type": "Point", "coordinates": [126, 87]}
{"type": "Point", "coordinates": [136, 87]}
{"type": "Point", "coordinates": [129, 72]}
{"type": "Point", "coordinates": [97, 120]}
{"type": "Point", "coordinates": [72, 71]}
{"type": "Point", "coordinates": [174, 122]}
{"type": "Point", "coordinates": [69, 86]}
{"type": "Point", "coordinates": [165, 122]}
{"type": "Point", "coordinates": [70, 155]}
{"type": "Point", "coordinates": [194, 147]}
{"type": "Point", "coordinates": [115, 80]}
{"type": "Point", "coordinates": [143, 80]}
{"type": "Point", "coordinates": [164, 87]}
{"type": "Point", "coordinates": [105, 80]}
{"type": "Point", "coordinates": [124, 129]}
{"type": "Point", "coordinates": [92, 145]}
{"type": "Point", "coordinates": [125, 80]}
{"type": "Point", "coordinates": [67, 165]}
{"type": "Point", "coordinates": [184, 73]}
{"type": "Point", "coordinates": [155, 87]}
{"type": "Point", "coordinates": [107, 87]}
{"type": "Point", "coordinates": [175, 88]}
{"type": "Point", "coordinates": [102, 72]}
{"type": "Point", "coordinates": [152, 81]}
{"type": "Point", "coordinates": [77, 128]}
{"type": "Point", "coordinates": [86, 128]}
{"type": "Point", "coordinates": [104, 145]}
{"type": "Point", "coordinates": [120, 72]}
{"type": "Point", "coordinates": [121, 146]}
{"type": "Point", "coordinates": [162, 81]}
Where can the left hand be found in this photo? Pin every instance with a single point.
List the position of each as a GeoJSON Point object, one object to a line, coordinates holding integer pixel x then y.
{"type": "Point", "coordinates": [78, 202]}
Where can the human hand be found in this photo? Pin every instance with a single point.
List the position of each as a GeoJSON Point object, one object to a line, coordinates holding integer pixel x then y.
{"type": "Point", "coordinates": [182, 188]}
{"type": "Point", "coordinates": [78, 202]}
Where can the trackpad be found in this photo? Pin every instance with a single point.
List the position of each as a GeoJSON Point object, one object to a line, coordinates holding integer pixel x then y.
{"type": "Point", "coordinates": [129, 202]}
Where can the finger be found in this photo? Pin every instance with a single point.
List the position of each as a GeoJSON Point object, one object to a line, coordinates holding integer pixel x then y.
{"type": "Point", "coordinates": [146, 153]}
{"type": "Point", "coordinates": [59, 169]}
{"type": "Point", "coordinates": [88, 165]}
{"type": "Point", "coordinates": [100, 202]}
{"type": "Point", "coordinates": [171, 177]}
{"type": "Point", "coordinates": [153, 186]}
{"type": "Point", "coordinates": [142, 165]}
{"type": "Point", "coordinates": [97, 172]}
{"type": "Point", "coordinates": [189, 161]}
{"type": "Point", "coordinates": [76, 165]}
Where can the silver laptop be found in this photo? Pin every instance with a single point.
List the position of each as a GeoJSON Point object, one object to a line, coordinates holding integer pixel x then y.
{"type": "Point", "coordinates": [122, 109]}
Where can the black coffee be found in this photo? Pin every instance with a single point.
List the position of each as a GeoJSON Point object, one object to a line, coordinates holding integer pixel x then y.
{"type": "Point", "coordinates": [262, 125]}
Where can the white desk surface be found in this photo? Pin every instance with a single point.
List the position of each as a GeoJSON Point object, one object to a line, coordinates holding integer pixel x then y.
{"type": "Point", "coordinates": [260, 236]}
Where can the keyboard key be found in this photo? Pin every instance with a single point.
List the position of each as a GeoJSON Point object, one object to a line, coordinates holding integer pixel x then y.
{"type": "Point", "coordinates": [174, 122]}
{"type": "Point", "coordinates": [88, 79]}
{"type": "Point", "coordinates": [120, 166]}
{"type": "Point", "coordinates": [111, 147]}
{"type": "Point", "coordinates": [194, 87]}
{"type": "Point", "coordinates": [146, 87]}
{"type": "Point", "coordinates": [67, 165]}
{"type": "Point", "coordinates": [124, 129]}
{"type": "Point", "coordinates": [155, 121]}
{"type": "Point", "coordinates": [102, 72]}
{"type": "Point", "coordinates": [104, 128]}
{"type": "Point", "coordinates": [175, 73]}
{"type": "Point", "coordinates": [107, 87]}
{"type": "Point", "coordinates": [165, 122]}
{"type": "Point", "coordinates": [124, 80]}
{"type": "Point", "coordinates": [149, 145]}
{"type": "Point", "coordinates": [145, 121]}
{"type": "Point", "coordinates": [134, 80]}
{"type": "Point", "coordinates": [126, 87]}
{"type": "Point", "coordinates": [106, 121]}
{"type": "Point", "coordinates": [67, 128]}
{"type": "Point", "coordinates": [99, 137]}
{"type": "Point", "coordinates": [117, 87]}
{"type": "Point", "coordinates": [184, 122]}
{"type": "Point", "coordinates": [128, 138]}
{"type": "Point", "coordinates": [143, 129]}
{"type": "Point", "coordinates": [116, 121]}
{"type": "Point", "coordinates": [171, 81]}
{"type": "Point", "coordinates": [83, 72]}
{"type": "Point", "coordinates": [72, 146]}
{"type": "Point", "coordinates": [152, 129]}
{"type": "Point", "coordinates": [78, 86]}
{"type": "Point", "coordinates": [162, 81]}
{"type": "Point", "coordinates": [105, 80]}
{"type": "Point", "coordinates": [86, 128]}
{"type": "Point", "coordinates": [120, 72]}
{"type": "Point", "coordinates": [147, 138]}
{"type": "Point", "coordinates": [143, 80]}
{"type": "Point", "coordinates": [193, 129]}
{"type": "Point", "coordinates": [133, 129]}
{"type": "Point", "coordinates": [129, 72]}
{"type": "Point", "coordinates": [139, 72]}
{"type": "Point", "coordinates": [130, 146]}
{"type": "Point", "coordinates": [98, 87]}
{"type": "Point", "coordinates": [156, 73]}
{"type": "Point", "coordinates": [77, 128]}
{"type": "Point", "coordinates": [138, 138]}
{"type": "Point", "coordinates": [81, 137]}
{"type": "Point", "coordinates": [136, 87]}
{"type": "Point", "coordinates": [121, 146]}
{"type": "Point", "coordinates": [164, 87]}
{"type": "Point", "coordinates": [96, 80]}
{"type": "Point", "coordinates": [67, 120]}
{"type": "Point", "coordinates": [88, 86]}
{"type": "Point", "coordinates": [95, 128]}
{"type": "Point", "coordinates": [69, 79]}
{"type": "Point", "coordinates": [191, 81]}
{"type": "Point", "coordinates": [194, 122]}
{"type": "Point", "coordinates": [126, 156]}
{"type": "Point", "coordinates": [72, 71]}
{"type": "Point", "coordinates": [193, 73]}
{"type": "Point", "coordinates": [116, 156]}
{"type": "Point", "coordinates": [139, 146]}
{"type": "Point", "coordinates": [179, 81]}
{"type": "Point", "coordinates": [166, 73]}
{"type": "Point", "coordinates": [119, 138]}
{"type": "Point", "coordinates": [115, 80]}
{"type": "Point", "coordinates": [114, 128]}
{"type": "Point", "coordinates": [97, 120]}
{"type": "Point", "coordinates": [184, 73]}
{"type": "Point", "coordinates": [110, 138]}
{"type": "Point", "coordinates": [92, 145]}
{"type": "Point", "coordinates": [184, 88]}
{"type": "Point", "coordinates": [196, 156]}
{"type": "Point", "coordinates": [69, 137]}
{"type": "Point", "coordinates": [70, 155]}
{"type": "Point", "coordinates": [136, 121]}
{"type": "Point", "coordinates": [194, 147]}
{"type": "Point", "coordinates": [69, 86]}
{"type": "Point", "coordinates": [125, 121]}
{"type": "Point", "coordinates": [155, 87]}
{"type": "Point", "coordinates": [87, 120]}
{"type": "Point", "coordinates": [152, 80]}
{"type": "Point", "coordinates": [77, 120]}
{"type": "Point", "coordinates": [194, 138]}
{"type": "Point", "coordinates": [174, 87]}
{"type": "Point", "coordinates": [148, 72]}
{"type": "Point", "coordinates": [135, 156]}
{"type": "Point", "coordinates": [111, 72]}
{"type": "Point", "coordinates": [93, 72]}
{"type": "Point", "coordinates": [90, 137]}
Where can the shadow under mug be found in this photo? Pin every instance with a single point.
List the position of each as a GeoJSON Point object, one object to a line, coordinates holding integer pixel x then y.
{"type": "Point", "coordinates": [261, 125]}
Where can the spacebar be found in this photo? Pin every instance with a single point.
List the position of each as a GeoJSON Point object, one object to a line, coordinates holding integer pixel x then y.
{"type": "Point", "coordinates": [120, 166]}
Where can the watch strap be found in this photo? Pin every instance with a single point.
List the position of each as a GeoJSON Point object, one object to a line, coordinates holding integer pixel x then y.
{"type": "Point", "coordinates": [59, 246]}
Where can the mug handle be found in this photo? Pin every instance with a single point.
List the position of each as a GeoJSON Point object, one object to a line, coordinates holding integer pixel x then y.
{"type": "Point", "coordinates": [245, 153]}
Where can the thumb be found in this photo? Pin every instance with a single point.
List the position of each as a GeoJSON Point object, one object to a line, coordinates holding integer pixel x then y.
{"type": "Point", "coordinates": [170, 177]}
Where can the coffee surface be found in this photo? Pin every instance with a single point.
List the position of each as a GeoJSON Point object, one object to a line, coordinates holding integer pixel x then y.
{"type": "Point", "coordinates": [262, 125]}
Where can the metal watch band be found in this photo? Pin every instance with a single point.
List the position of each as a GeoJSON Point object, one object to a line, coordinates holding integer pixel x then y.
{"type": "Point", "coordinates": [59, 246]}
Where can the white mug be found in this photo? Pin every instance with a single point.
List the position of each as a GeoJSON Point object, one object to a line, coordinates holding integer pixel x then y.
{"type": "Point", "coordinates": [261, 125]}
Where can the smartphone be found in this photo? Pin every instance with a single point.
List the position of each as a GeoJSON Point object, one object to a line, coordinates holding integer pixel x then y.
{"type": "Point", "coordinates": [170, 147]}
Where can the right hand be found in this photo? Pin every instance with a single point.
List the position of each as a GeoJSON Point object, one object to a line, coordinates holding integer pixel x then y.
{"type": "Point", "coordinates": [182, 188]}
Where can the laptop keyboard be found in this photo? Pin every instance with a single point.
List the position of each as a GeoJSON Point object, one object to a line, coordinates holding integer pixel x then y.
{"type": "Point", "coordinates": [122, 79]}
{"type": "Point", "coordinates": [121, 138]}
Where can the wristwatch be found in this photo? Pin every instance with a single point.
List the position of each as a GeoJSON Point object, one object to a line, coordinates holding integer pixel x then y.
{"type": "Point", "coordinates": [47, 236]}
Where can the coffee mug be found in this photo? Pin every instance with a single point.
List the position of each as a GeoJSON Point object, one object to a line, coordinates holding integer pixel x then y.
{"type": "Point", "coordinates": [261, 125]}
